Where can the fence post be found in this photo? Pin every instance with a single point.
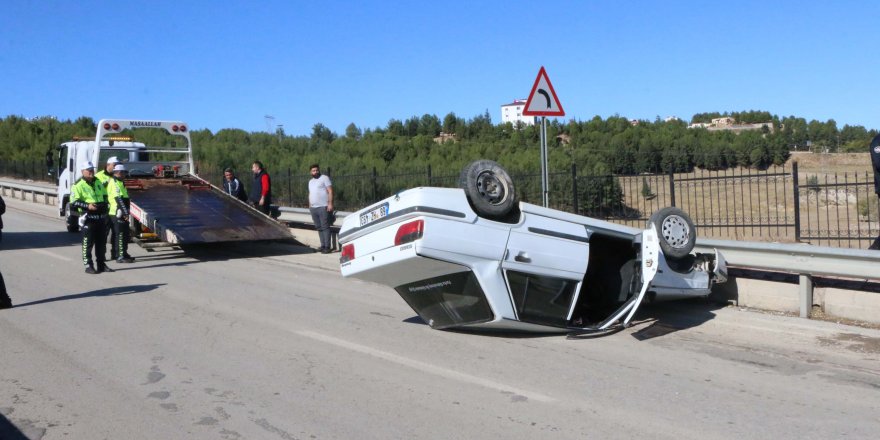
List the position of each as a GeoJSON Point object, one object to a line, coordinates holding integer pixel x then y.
{"type": "Point", "coordinates": [429, 174]}
{"type": "Point", "coordinates": [797, 201]}
{"type": "Point", "coordinates": [574, 188]}
{"type": "Point", "coordinates": [671, 185]}
{"type": "Point", "coordinates": [289, 193]}
{"type": "Point", "coordinates": [375, 189]}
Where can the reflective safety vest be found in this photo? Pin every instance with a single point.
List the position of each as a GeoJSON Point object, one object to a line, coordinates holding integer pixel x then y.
{"type": "Point", "coordinates": [83, 193]}
{"type": "Point", "coordinates": [103, 177]}
{"type": "Point", "coordinates": [118, 195]}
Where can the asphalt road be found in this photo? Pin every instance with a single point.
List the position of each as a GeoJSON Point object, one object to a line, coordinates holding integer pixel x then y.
{"type": "Point", "coordinates": [269, 342]}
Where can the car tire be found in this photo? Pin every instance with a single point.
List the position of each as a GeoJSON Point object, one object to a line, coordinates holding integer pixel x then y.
{"type": "Point", "coordinates": [72, 228]}
{"type": "Point", "coordinates": [489, 189]}
{"type": "Point", "coordinates": [676, 230]}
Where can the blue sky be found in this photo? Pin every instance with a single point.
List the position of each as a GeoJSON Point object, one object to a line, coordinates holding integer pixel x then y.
{"type": "Point", "coordinates": [229, 64]}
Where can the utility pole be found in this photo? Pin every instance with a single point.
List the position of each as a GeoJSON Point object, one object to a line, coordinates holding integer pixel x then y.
{"type": "Point", "coordinates": [270, 122]}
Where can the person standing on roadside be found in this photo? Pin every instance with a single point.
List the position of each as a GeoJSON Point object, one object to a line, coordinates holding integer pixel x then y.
{"type": "Point", "coordinates": [89, 197]}
{"type": "Point", "coordinates": [117, 195]}
{"type": "Point", "coordinates": [104, 176]}
{"type": "Point", "coordinates": [875, 162]}
{"type": "Point", "coordinates": [261, 192]}
{"type": "Point", "coordinates": [321, 205]}
{"type": "Point", "coordinates": [233, 186]}
{"type": "Point", "coordinates": [5, 301]}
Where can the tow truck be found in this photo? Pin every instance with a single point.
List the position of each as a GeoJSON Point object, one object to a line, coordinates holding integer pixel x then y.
{"type": "Point", "coordinates": [170, 203]}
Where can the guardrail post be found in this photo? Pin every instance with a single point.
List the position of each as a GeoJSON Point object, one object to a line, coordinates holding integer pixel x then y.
{"type": "Point", "coordinates": [797, 201]}
{"type": "Point", "coordinates": [805, 290]}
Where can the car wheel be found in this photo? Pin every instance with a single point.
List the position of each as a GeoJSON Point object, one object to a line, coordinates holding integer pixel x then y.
{"type": "Point", "coordinates": [72, 228]}
{"type": "Point", "coordinates": [489, 189]}
{"type": "Point", "coordinates": [676, 230]}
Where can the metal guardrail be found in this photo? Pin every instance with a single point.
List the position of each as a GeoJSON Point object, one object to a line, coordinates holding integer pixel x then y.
{"type": "Point", "coordinates": [804, 260]}
{"type": "Point", "coordinates": [305, 211]}
{"type": "Point", "coordinates": [8, 188]}
{"type": "Point", "coordinates": [797, 258]}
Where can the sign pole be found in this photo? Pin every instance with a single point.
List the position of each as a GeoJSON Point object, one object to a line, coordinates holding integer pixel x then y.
{"type": "Point", "coordinates": [545, 192]}
{"type": "Point", "coordinates": [543, 102]}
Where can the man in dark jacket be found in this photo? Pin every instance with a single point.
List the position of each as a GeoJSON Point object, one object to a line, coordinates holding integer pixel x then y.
{"type": "Point", "coordinates": [875, 161]}
{"type": "Point", "coordinates": [233, 186]}
{"type": "Point", "coordinates": [261, 192]}
{"type": "Point", "coordinates": [5, 301]}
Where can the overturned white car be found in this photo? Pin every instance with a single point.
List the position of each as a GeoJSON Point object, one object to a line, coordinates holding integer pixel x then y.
{"type": "Point", "coordinates": [475, 257]}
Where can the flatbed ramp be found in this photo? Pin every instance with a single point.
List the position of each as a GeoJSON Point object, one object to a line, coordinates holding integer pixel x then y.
{"type": "Point", "coordinates": [190, 211]}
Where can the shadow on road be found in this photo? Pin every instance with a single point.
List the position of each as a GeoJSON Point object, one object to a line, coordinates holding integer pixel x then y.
{"type": "Point", "coordinates": [661, 319]}
{"type": "Point", "coordinates": [37, 240]}
{"type": "Point", "coordinates": [670, 317]}
{"type": "Point", "coordinates": [112, 291]}
{"type": "Point", "coordinates": [236, 250]}
{"type": "Point", "coordinates": [8, 431]}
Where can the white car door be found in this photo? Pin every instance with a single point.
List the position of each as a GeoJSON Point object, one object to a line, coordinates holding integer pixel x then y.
{"type": "Point", "coordinates": [544, 266]}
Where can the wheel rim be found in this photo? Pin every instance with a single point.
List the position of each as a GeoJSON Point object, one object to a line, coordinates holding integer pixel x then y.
{"type": "Point", "coordinates": [491, 189]}
{"type": "Point", "coordinates": [675, 231]}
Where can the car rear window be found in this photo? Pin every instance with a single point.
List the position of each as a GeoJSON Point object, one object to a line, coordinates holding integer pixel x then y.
{"type": "Point", "coordinates": [448, 300]}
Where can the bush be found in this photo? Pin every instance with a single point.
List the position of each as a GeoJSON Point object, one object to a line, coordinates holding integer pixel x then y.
{"type": "Point", "coordinates": [868, 208]}
{"type": "Point", "coordinates": [812, 183]}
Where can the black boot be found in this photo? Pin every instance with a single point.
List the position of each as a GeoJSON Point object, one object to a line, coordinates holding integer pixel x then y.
{"type": "Point", "coordinates": [91, 270]}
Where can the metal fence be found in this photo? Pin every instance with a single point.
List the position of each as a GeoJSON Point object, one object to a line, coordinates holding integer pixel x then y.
{"type": "Point", "coordinates": [776, 204]}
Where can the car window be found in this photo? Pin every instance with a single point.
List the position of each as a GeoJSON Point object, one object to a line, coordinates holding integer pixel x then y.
{"type": "Point", "coordinates": [448, 300]}
{"type": "Point", "coordinates": [541, 299]}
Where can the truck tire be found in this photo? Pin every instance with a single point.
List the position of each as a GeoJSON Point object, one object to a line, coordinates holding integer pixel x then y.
{"type": "Point", "coordinates": [676, 231]}
{"type": "Point", "coordinates": [489, 189]}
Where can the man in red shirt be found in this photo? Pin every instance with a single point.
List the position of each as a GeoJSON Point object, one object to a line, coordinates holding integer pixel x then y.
{"type": "Point", "coordinates": [261, 191]}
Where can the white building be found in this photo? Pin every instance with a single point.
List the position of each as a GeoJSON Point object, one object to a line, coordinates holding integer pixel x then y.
{"type": "Point", "coordinates": [513, 113]}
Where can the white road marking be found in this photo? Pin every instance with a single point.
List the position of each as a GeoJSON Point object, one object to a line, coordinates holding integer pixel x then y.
{"type": "Point", "coordinates": [428, 368]}
{"type": "Point", "coordinates": [51, 254]}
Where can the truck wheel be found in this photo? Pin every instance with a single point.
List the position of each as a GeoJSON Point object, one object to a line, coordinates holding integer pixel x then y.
{"type": "Point", "coordinates": [676, 230]}
{"type": "Point", "coordinates": [489, 189]}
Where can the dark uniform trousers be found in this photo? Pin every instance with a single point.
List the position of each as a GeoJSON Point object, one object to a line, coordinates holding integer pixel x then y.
{"type": "Point", "coordinates": [94, 235]}
{"type": "Point", "coordinates": [120, 237]}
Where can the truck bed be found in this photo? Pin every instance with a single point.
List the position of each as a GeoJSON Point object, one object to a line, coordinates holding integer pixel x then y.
{"type": "Point", "coordinates": [188, 210]}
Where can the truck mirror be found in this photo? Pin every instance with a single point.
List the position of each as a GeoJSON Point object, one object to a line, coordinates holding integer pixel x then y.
{"type": "Point", "coordinates": [50, 163]}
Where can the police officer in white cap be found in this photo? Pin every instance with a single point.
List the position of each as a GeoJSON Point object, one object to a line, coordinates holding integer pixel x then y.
{"type": "Point", "coordinates": [117, 194]}
{"type": "Point", "coordinates": [89, 198]}
{"type": "Point", "coordinates": [104, 175]}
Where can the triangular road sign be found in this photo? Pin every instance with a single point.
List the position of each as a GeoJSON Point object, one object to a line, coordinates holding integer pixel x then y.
{"type": "Point", "coordinates": [546, 103]}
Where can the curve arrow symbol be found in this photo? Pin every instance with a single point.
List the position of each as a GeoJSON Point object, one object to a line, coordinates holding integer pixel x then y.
{"type": "Point", "coordinates": [546, 96]}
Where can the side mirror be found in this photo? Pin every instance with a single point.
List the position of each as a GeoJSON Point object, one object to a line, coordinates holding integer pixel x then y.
{"type": "Point", "coordinates": [50, 163]}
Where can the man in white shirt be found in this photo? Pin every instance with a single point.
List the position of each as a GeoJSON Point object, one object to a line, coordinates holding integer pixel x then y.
{"type": "Point", "coordinates": [321, 205]}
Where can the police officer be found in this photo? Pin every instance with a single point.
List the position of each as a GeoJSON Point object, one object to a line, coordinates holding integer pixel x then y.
{"type": "Point", "coordinates": [875, 161]}
{"type": "Point", "coordinates": [119, 203]}
{"type": "Point", "coordinates": [89, 198]}
{"type": "Point", "coordinates": [104, 176]}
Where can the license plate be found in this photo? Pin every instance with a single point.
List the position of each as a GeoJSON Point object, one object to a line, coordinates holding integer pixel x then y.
{"type": "Point", "coordinates": [374, 214]}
